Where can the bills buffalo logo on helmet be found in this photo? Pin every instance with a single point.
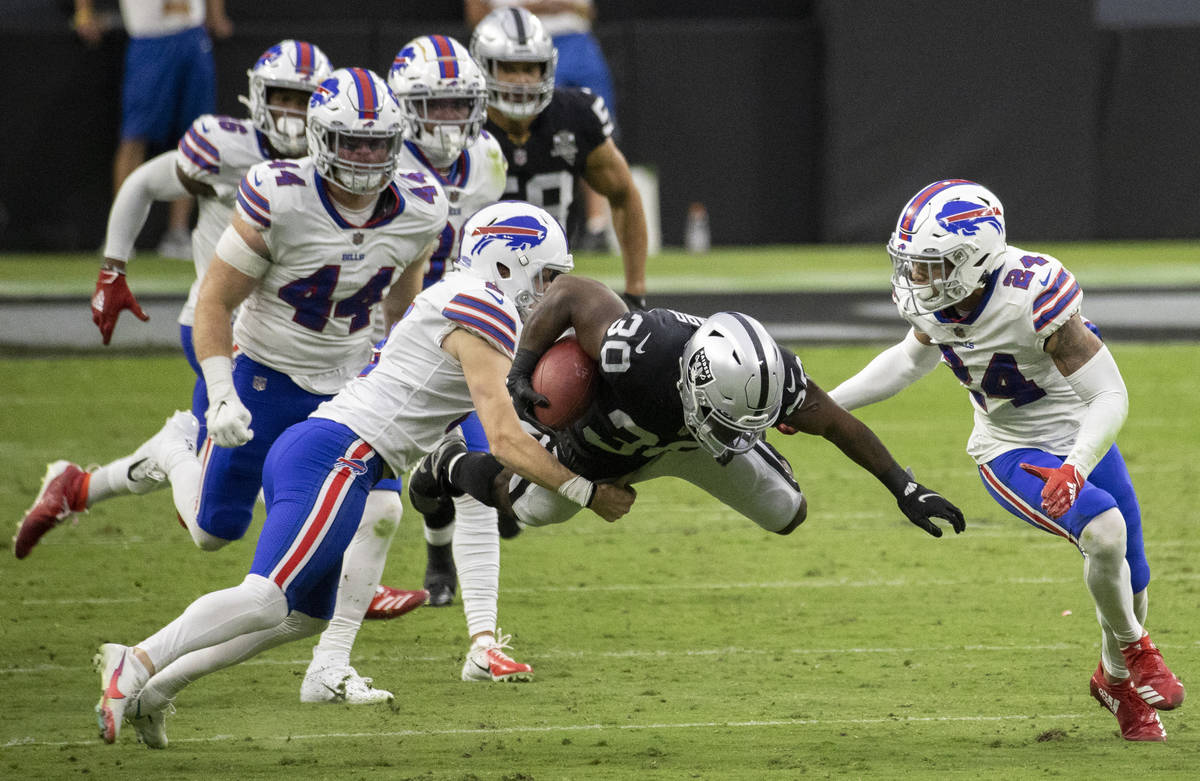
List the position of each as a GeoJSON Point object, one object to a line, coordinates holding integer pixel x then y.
{"type": "Point", "coordinates": [965, 217]}
{"type": "Point", "coordinates": [355, 465]}
{"type": "Point", "coordinates": [699, 372]}
{"type": "Point", "coordinates": [324, 93]}
{"type": "Point", "coordinates": [406, 55]}
{"type": "Point", "coordinates": [519, 233]}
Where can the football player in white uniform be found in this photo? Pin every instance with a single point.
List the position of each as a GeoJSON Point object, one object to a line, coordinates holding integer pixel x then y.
{"type": "Point", "coordinates": [448, 356]}
{"type": "Point", "coordinates": [1048, 402]}
{"type": "Point", "coordinates": [210, 161]}
{"type": "Point", "coordinates": [444, 93]}
{"type": "Point", "coordinates": [441, 94]}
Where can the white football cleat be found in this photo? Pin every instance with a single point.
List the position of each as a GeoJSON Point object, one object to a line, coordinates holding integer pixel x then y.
{"type": "Point", "coordinates": [175, 440]}
{"type": "Point", "coordinates": [486, 661]}
{"type": "Point", "coordinates": [150, 725]}
{"type": "Point", "coordinates": [340, 684]}
{"type": "Point", "coordinates": [121, 679]}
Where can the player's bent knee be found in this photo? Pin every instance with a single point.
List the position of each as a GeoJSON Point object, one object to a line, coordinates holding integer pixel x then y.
{"type": "Point", "coordinates": [1104, 534]}
{"type": "Point", "coordinates": [797, 519]}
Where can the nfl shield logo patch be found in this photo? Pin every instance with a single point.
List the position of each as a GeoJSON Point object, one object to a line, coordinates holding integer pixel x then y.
{"type": "Point", "coordinates": [358, 238]}
{"type": "Point", "coordinates": [520, 156]}
{"type": "Point", "coordinates": [259, 383]}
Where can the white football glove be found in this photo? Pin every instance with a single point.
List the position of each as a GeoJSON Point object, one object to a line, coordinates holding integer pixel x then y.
{"type": "Point", "coordinates": [228, 422]}
{"type": "Point", "coordinates": [228, 419]}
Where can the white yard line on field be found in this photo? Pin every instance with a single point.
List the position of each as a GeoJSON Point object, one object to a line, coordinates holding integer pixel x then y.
{"type": "Point", "coordinates": [30, 741]}
{"type": "Point", "coordinates": [661, 653]}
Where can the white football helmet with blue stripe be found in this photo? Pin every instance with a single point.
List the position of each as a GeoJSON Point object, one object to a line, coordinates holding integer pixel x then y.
{"type": "Point", "coordinates": [355, 130]}
{"type": "Point", "coordinates": [518, 247]}
{"type": "Point", "coordinates": [949, 237]}
{"type": "Point", "coordinates": [290, 65]}
{"type": "Point", "coordinates": [443, 95]}
{"type": "Point", "coordinates": [731, 379]}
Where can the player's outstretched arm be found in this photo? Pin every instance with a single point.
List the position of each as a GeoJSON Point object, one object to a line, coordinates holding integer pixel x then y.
{"type": "Point", "coordinates": [485, 368]}
{"type": "Point", "coordinates": [821, 416]}
{"type": "Point", "coordinates": [608, 173]}
{"type": "Point", "coordinates": [888, 373]}
{"type": "Point", "coordinates": [153, 180]}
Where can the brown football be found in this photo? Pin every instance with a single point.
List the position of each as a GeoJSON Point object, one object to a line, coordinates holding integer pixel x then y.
{"type": "Point", "coordinates": [568, 377]}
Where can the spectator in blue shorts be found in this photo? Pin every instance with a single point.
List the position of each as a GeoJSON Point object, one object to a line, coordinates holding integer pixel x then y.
{"type": "Point", "coordinates": [169, 80]}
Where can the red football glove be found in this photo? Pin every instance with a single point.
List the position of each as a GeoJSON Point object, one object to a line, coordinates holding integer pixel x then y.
{"type": "Point", "coordinates": [1062, 486]}
{"type": "Point", "coordinates": [112, 295]}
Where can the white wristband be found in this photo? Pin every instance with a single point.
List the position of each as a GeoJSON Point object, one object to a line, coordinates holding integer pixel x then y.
{"type": "Point", "coordinates": [218, 377]}
{"type": "Point", "coordinates": [579, 490]}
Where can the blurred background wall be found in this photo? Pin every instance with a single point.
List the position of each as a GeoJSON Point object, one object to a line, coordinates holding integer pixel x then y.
{"type": "Point", "coordinates": [791, 120]}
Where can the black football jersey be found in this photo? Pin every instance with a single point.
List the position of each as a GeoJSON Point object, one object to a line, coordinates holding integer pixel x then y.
{"type": "Point", "coordinates": [543, 169]}
{"type": "Point", "coordinates": [637, 413]}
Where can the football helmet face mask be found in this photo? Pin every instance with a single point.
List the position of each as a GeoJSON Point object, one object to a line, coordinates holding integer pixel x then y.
{"type": "Point", "coordinates": [355, 130]}
{"type": "Point", "coordinates": [515, 35]}
{"type": "Point", "coordinates": [289, 65]}
{"type": "Point", "coordinates": [518, 247]}
{"type": "Point", "coordinates": [949, 237]}
{"type": "Point", "coordinates": [443, 95]}
{"type": "Point", "coordinates": [731, 378]}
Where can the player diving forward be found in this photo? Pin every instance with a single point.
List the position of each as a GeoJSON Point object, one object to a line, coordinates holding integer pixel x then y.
{"type": "Point", "coordinates": [448, 356]}
{"type": "Point", "coordinates": [209, 162]}
{"type": "Point", "coordinates": [681, 396]}
{"type": "Point", "coordinates": [1048, 402]}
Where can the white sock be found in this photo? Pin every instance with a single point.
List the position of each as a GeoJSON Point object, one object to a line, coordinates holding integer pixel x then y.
{"type": "Point", "coordinates": [171, 680]}
{"type": "Point", "coordinates": [1107, 576]}
{"type": "Point", "coordinates": [477, 559]}
{"type": "Point", "coordinates": [362, 567]}
{"type": "Point", "coordinates": [111, 480]}
{"type": "Point", "coordinates": [1141, 606]}
{"type": "Point", "coordinates": [186, 476]}
{"type": "Point", "coordinates": [253, 605]}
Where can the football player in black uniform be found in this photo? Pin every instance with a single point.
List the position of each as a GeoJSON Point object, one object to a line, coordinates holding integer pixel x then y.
{"type": "Point", "coordinates": [680, 396]}
{"type": "Point", "coordinates": [550, 136]}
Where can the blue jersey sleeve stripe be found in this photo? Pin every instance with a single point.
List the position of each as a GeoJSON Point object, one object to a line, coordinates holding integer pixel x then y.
{"type": "Point", "coordinates": [203, 163]}
{"type": "Point", "coordinates": [253, 196]}
{"type": "Point", "coordinates": [251, 211]}
{"type": "Point", "coordinates": [1050, 292]}
{"type": "Point", "coordinates": [462, 299]}
{"type": "Point", "coordinates": [202, 142]}
{"type": "Point", "coordinates": [508, 341]}
{"type": "Point", "coordinates": [1045, 318]}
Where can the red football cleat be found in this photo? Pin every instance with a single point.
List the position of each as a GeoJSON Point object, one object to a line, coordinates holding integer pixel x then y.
{"type": "Point", "coordinates": [1157, 685]}
{"type": "Point", "coordinates": [393, 603]}
{"type": "Point", "coordinates": [488, 662]}
{"type": "Point", "coordinates": [63, 493]}
{"type": "Point", "coordinates": [1138, 721]}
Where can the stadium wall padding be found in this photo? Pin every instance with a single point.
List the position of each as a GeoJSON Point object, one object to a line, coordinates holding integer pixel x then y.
{"type": "Point", "coordinates": [812, 122]}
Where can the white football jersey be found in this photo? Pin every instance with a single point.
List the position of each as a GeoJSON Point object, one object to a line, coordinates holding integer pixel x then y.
{"type": "Point", "coordinates": [475, 180]}
{"type": "Point", "coordinates": [216, 151]}
{"type": "Point", "coordinates": [417, 391]}
{"type": "Point", "coordinates": [1019, 396]}
{"type": "Point", "coordinates": [311, 314]}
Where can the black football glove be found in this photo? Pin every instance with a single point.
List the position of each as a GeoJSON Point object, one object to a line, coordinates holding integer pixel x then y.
{"type": "Point", "coordinates": [520, 387]}
{"type": "Point", "coordinates": [635, 303]}
{"type": "Point", "coordinates": [921, 505]}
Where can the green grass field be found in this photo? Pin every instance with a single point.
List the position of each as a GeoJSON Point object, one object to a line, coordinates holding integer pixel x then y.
{"type": "Point", "coordinates": [680, 643]}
